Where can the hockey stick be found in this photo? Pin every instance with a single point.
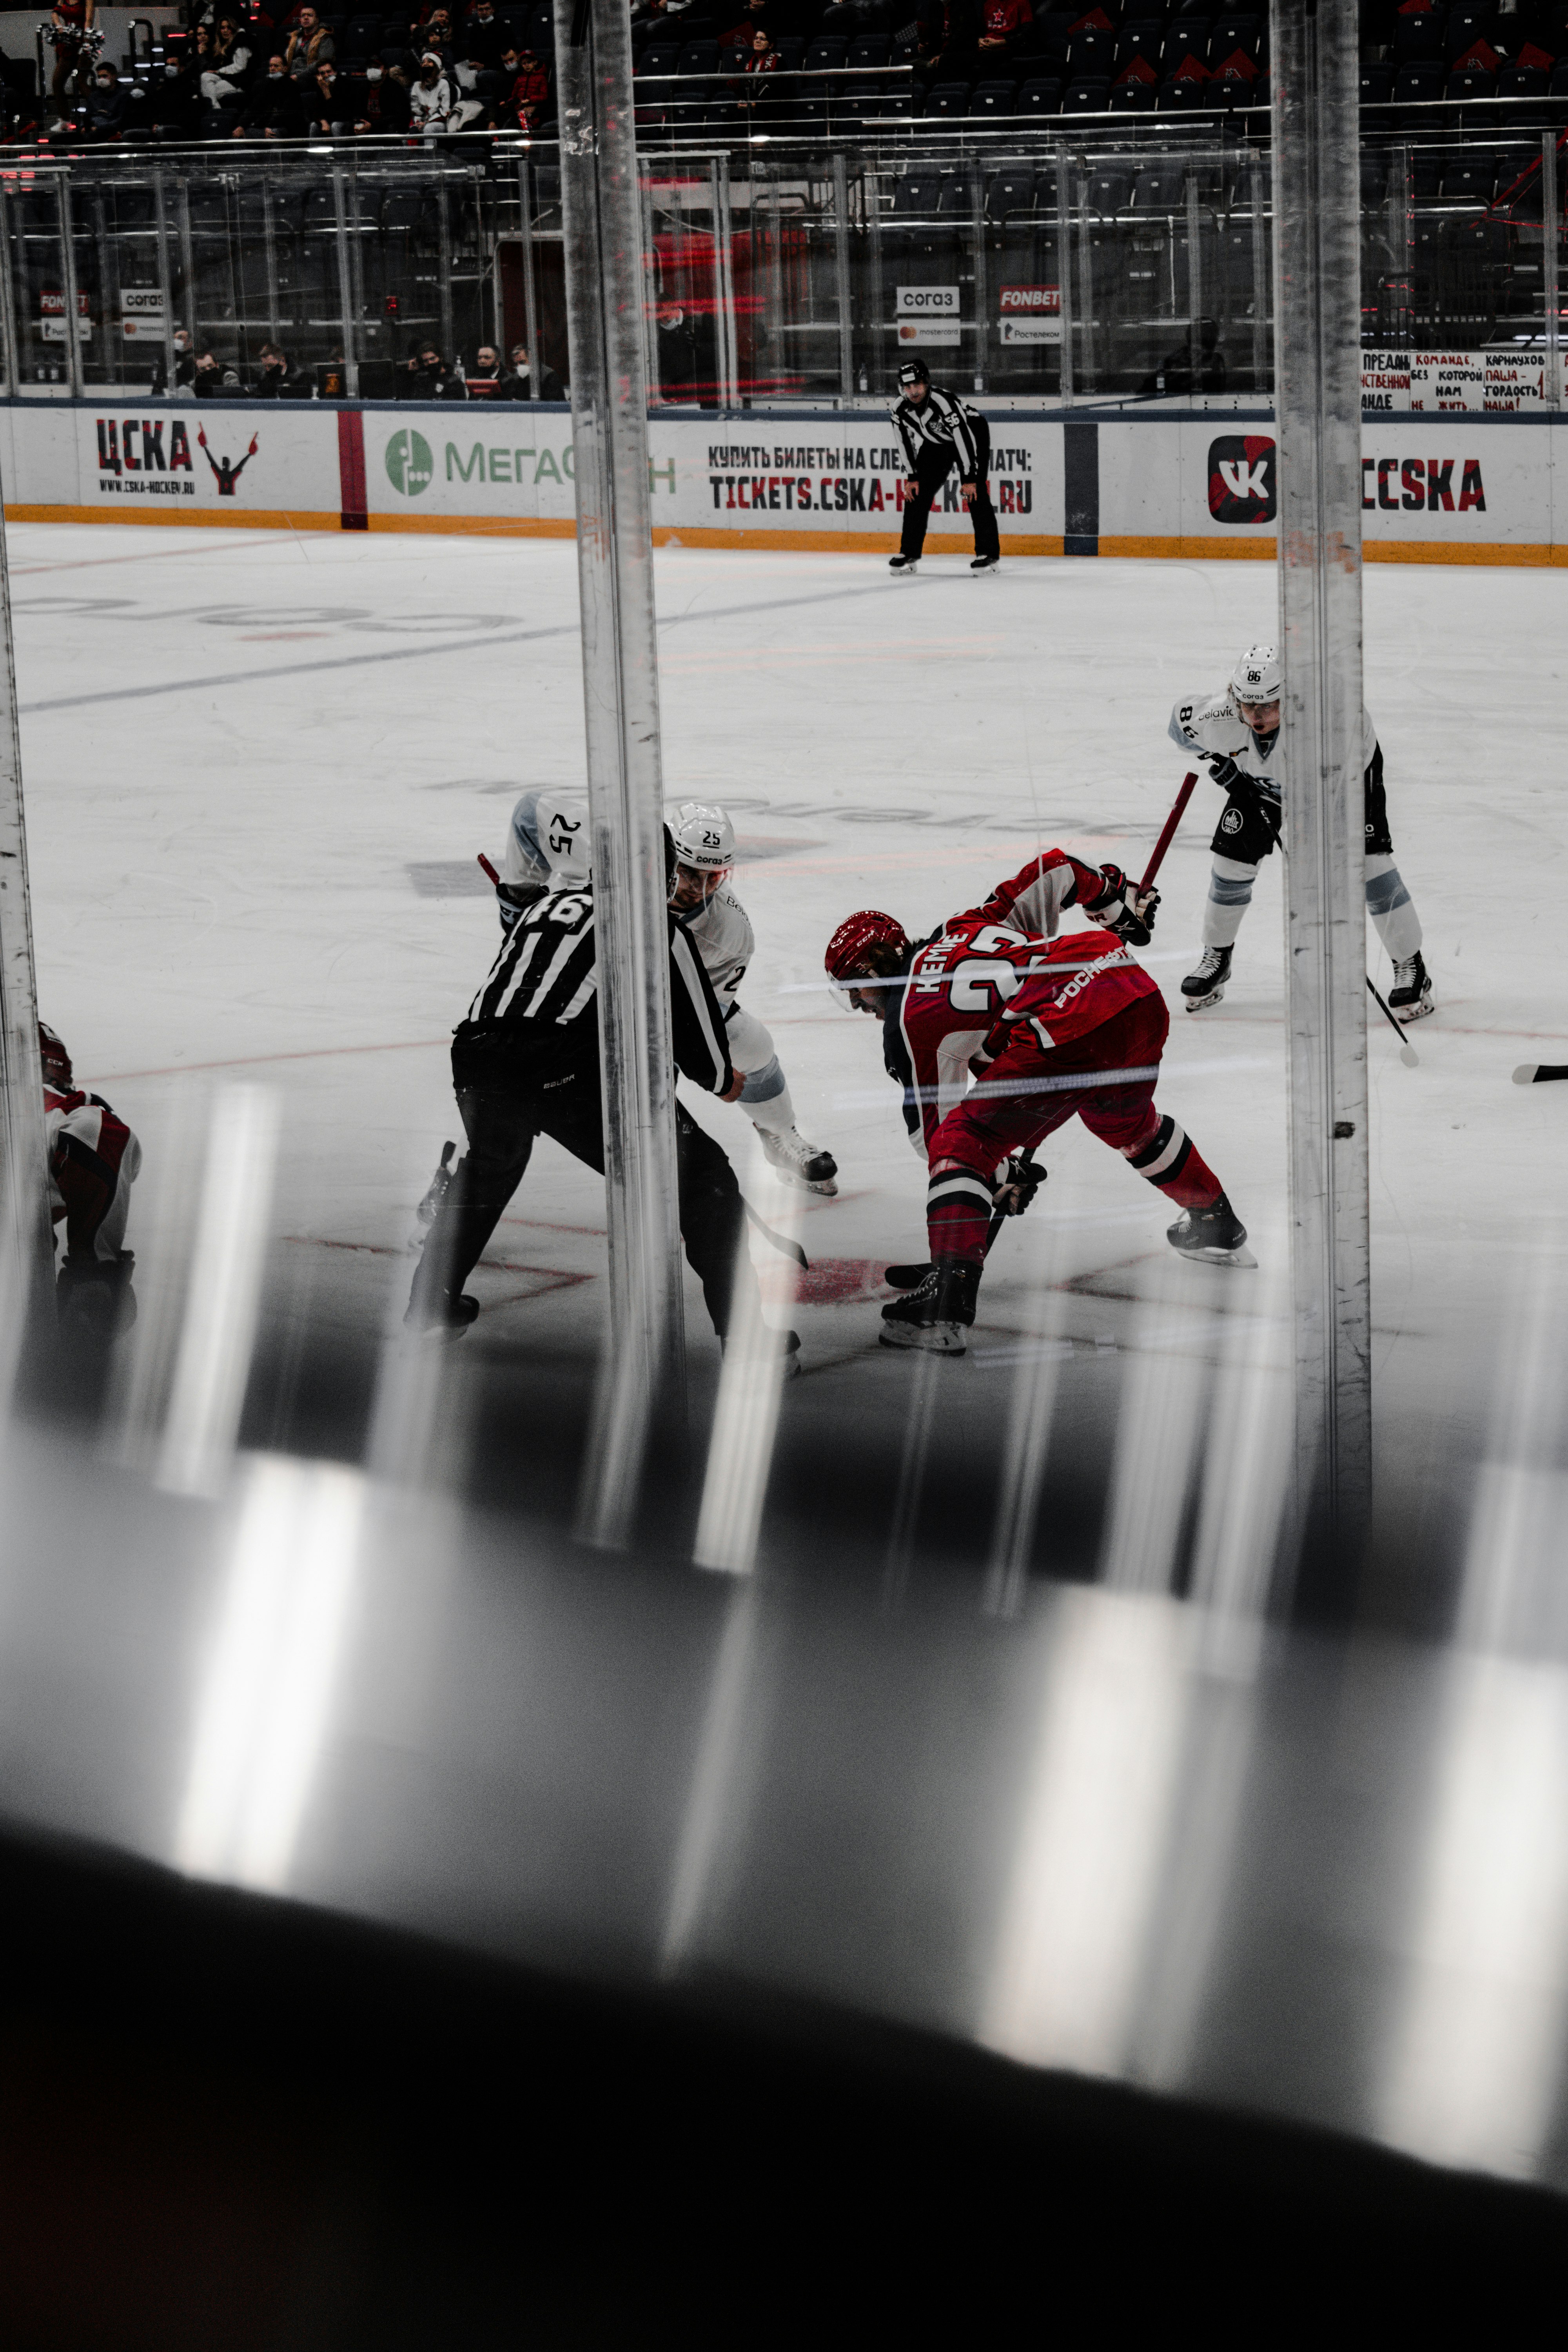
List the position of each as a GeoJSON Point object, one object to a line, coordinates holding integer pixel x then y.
{"type": "Point", "coordinates": [1407, 1053]}
{"type": "Point", "coordinates": [490, 869]}
{"type": "Point", "coordinates": [781, 1242]}
{"type": "Point", "coordinates": [1178, 810]}
{"type": "Point", "coordinates": [1536, 1073]}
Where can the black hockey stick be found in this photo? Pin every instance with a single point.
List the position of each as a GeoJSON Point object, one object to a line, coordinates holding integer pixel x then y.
{"type": "Point", "coordinates": [1407, 1053]}
{"type": "Point", "coordinates": [1537, 1073]}
{"type": "Point", "coordinates": [910, 1278]}
{"type": "Point", "coordinates": [780, 1240]}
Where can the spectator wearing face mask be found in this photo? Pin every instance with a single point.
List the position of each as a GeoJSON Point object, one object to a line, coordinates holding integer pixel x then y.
{"type": "Point", "coordinates": [279, 378]}
{"type": "Point", "coordinates": [521, 383]}
{"type": "Point", "coordinates": [430, 98]}
{"type": "Point", "coordinates": [273, 110]}
{"type": "Point", "coordinates": [214, 379]}
{"type": "Point", "coordinates": [326, 100]}
{"type": "Point", "coordinates": [427, 376]}
{"type": "Point", "coordinates": [483, 38]}
{"type": "Point", "coordinates": [483, 380]}
{"type": "Point", "coordinates": [309, 46]}
{"type": "Point", "coordinates": [106, 105]}
{"type": "Point", "coordinates": [184, 365]}
{"type": "Point", "coordinates": [386, 109]}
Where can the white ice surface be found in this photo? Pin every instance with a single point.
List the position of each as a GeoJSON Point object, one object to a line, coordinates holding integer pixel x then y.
{"type": "Point", "coordinates": [236, 744]}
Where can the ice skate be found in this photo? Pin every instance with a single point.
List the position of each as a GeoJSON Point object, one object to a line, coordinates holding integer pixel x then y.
{"type": "Point", "coordinates": [906, 1277]}
{"type": "Point", "coordinates": [937, 1315]}
{"type": "Point", "coordinates": [441, 1317]}
{"type": "Point", "coordinates": [906, 564]}
{"type": "Point", "coordinates": [1410, 998]}
{"type": "Point", "coordinates": [985, 563]}
{"type": "Point", "coordinates": [1215, 1235]}
{"type": "Point", "coordinates": [795, 1161]}
{"type": "Point", "coordinates": [1207, 985]}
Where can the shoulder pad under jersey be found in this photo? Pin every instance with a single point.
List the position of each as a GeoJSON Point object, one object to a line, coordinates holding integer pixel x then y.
{"type": "Point", "coordinates": [1210, 723]}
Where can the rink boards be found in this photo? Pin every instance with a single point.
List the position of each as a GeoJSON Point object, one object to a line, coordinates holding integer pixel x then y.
{"type": "Point", "coordinates": [1461, 488]}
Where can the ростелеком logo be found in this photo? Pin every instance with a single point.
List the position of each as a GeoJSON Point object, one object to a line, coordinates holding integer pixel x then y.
{"type": "Point", "coordinates": [410, 466]}
{"type": "Point", "coordinates": [1243, 478]}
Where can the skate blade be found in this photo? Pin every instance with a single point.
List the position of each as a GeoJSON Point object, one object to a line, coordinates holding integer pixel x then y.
{"type": "Point", "coordinates": [823, 1184]}
{"type": "Point", "coordinates": [1242, 1257]}
{"type": "Point", "coordinates": [935, 1339]}
{"type": "Point", "coordinates": [1405, 1014]}
{"type": "Point", "coordinates": [1202, 1003]}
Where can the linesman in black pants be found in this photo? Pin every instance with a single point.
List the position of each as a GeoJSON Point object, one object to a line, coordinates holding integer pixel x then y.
{"type": "Point", "coordinates": [525, 1062]}
{"type": "Point", "coordinates": [940, 430]}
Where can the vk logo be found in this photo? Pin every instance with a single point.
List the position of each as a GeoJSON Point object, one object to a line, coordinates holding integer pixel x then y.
{"type": "Point", "coordinates": [1243, 481]}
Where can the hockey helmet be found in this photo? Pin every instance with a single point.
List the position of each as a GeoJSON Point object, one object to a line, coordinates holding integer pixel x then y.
{"type": "Point", "coordinates": [1257, 676]}
{"type": "Point", "coordinates": [868, 945]}
{"type": "Point", "coordinates": [57, 1062]}
{"type": "Point", "coordinates": [565, 837]}
{"type": "Point", "coordinates": [913, 371]}
{"type": "Point", "coordinates": [704, 838]}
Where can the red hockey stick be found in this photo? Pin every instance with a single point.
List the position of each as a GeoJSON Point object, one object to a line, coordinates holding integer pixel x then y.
{"type": "Point", "coordinates": [1168, 835]}
{"type": "Point", "coordinates": [490, 869]}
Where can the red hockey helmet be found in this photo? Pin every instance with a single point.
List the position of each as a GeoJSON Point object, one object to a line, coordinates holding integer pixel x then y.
{"type": "Point", "coordinates": [57, 1062]}
{"type": "Point", "coordinates": [867, 946]}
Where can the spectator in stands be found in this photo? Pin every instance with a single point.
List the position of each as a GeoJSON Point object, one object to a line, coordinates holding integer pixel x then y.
{"type": "Point", "coordinates": [644, 12]}
{"type": "Point", "coordinates": [483, 39]}
{"type": "Point", "coordinates": [212, 378]}
{"type": "Point", "coordinates": [483, 380]}
{"type": "Point", "coordinates": [175, 102]}
{"type": "Point", "coordinates": [326, 101]}
{"type": "Point", "coordinates": [1174, 373]}
{"type": "Point", "coordinates": [228, 74]}
{"type": "Point", "coordinates": [949, 46]}
{"type": "Point", "coordinates": [279, 378]}
{"type": "Point", "coordinates": [106, 105]}
{"type": "Point", "coordinates": [520, 382]}
{"type": "Point", "coordinates": [309, 46]}
{"type": "Point", "coordinates": [70, 21]}
{"type": "Point", "coordinates": [436, 34]}
{"type": "Point", "coordinates": [385, 109]}
{"type": "Point", "coordinates": [430, 98]}
{"type": "Point", "coordinates": [761, 58]}
{"type": "Point", "coordinates": [184, 365]}
{"type": "Point", "coordinates": [1003, 24]}
{"type": "Point", "coordinates": [273, 110]}
{"type": "Point", "coordinates": [427, 376]}
{"type": "Point", "coordinates": [527, 101]}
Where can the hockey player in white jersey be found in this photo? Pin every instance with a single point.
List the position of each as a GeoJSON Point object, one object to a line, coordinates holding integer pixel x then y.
{"type": "Point", "coordinates": [546, 846]}
{"type": "Point", "coordinates": [720, 932]}
{"type": "Point", "coordinates": [1237, 734]}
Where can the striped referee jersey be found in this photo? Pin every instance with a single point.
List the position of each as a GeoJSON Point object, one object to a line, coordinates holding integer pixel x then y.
{"type": "Point", "coordinates": [943, 423]}
{"type": "Point", "coordinates": [547, 972]}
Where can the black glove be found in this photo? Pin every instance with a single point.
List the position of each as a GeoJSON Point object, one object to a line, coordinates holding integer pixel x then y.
{"type": "Point", "coordinates": [513, 897]}
{"type": "Point", "coordinates": [1230, 778]}
{"type": "Point", "coordinates": [1021, 1182]}
{"type": "Point", "coordinates": [1124, 909]}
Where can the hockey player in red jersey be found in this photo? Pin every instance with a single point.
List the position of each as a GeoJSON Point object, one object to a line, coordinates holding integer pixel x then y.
{"type": "Point", "coordinates": [1050, 1027]}
{"type": "Point", "coordinates": [93, 1160]}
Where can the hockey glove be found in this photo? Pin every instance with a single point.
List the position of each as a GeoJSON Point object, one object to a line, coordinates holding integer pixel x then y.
{"type": "Point", "coordinates": [512, 898]}
{"type": "Point", "coordinates": [1124, 909]}
{"type": "Point", "coordinates": [1230, 778]}
{"type": "Point", "coordinates": [1021, 1180]}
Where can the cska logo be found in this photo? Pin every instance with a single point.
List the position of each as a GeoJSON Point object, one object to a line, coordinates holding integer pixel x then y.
{"type": "Point", "coordinates": [1243, 478]}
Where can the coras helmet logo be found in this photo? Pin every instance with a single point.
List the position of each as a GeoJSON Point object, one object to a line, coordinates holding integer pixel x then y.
{"type": "Point", "coordinates": [1243, 477]}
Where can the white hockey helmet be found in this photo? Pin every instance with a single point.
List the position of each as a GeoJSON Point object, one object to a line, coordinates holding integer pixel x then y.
{"type": "Point", "coordinates": [704, 838]}
{"type": "Point", "coordinates": [1257, 676]}
{"type": "Point", "coordinates": [566, 836]}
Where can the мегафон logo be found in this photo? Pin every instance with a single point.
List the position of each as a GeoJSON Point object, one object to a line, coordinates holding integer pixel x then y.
{"type": "Point", "coordinates": [410, 464]}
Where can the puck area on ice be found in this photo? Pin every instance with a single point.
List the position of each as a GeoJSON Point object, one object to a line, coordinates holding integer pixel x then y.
{"type": "Point", "coordinates": [825, 1282]}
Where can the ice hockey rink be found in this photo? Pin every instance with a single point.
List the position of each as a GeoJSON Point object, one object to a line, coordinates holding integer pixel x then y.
{"type": "Point", "coordinates": [258, 767]}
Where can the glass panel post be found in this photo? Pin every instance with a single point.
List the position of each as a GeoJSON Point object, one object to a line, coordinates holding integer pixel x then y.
{"type": "Point", "coordinates": [165, 280]}
{"type": "Point", "coordinates": [841, 265]}
{"type": "Point", "coordinates": [1194, 293]}
{"type": "Point", "coordinates": [188, 263]}
{"type": "Point", "coordinates": [444, 232]}
{"type": "Point", "coordinates": [1317, 309]}
{"type": "Point", "coordinates": [1064, 275]}
{"type": "Point", "coordinates": [982, 292]}
{"type": "Point", "coordinates": [1262, 373]}
{"type": "Point", "coordinates": [345, 291]}
{"type": "Point", "coordinates": [724, 284]}
{"type": "Point", "coordinates": [68, 269]}
{"type": "Point", "coordinates": [8, 303]}
{"type": "Point", "coordinates": [1550, 226]}
{"type": "Point", "coordinates": [529, 278]}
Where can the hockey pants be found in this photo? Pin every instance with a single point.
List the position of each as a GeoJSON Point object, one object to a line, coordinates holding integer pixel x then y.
{"type": "Point", "coordinates": [1246, 833]}
{"type": "Point", "coordinates": [1107, 1079]}
{"type": "Point", "coordinates": [933, 468]}
{"type": "Point", "coordinates": [505, 1097]}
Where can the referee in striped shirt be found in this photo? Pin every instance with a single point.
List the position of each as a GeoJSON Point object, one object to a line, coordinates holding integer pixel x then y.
{"type": "Point", "coordinates": [940, 430]}
{"type": "Point", "coordinates": [525, 1062]}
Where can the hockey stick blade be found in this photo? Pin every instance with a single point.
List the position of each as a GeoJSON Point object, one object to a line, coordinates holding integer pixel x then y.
{"type": "Point", "coordinates": [905, 1277]}
{"type": "Point", "coordinates": [781, 1242]}
{"type": "Point", "coordinates": [1407, 1053]}
{"type": "Point", "coordinates": [1538, 1073]}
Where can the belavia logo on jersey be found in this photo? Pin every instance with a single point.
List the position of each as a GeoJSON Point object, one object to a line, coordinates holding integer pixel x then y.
{"type": "Point", "coordinates": [1243, 478]}
{"type": "Point", "coordinates": [133, 463]}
